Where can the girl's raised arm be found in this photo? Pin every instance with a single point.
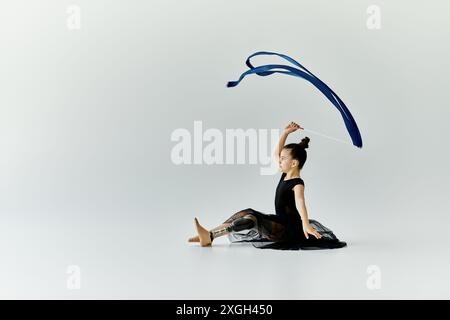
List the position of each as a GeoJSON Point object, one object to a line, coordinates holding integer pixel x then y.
{"type": "Point", "coordinates": [279, 146]}
{"type": "Point", "coordinates": [291, 127]}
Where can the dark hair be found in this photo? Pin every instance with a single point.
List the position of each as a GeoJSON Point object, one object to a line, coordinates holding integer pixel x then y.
{"type": "Point", "coordinates": [298, 151]}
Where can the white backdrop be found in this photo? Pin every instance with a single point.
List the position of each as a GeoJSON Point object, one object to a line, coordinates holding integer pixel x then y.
{"type": "Point", "coordinates": [92, 92]}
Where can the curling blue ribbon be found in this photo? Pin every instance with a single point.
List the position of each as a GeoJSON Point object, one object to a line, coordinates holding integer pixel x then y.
{"type": "Point", "coordinates": [304, 73]}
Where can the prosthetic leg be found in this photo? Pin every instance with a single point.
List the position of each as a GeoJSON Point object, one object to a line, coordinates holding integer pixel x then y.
{"type": "Point", "coordinates": [244, 223]}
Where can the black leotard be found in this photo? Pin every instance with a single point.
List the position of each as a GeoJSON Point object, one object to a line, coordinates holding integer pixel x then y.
{"type": "Point", "coordinates": [284, 229]}
{"type": "Point", "coordinates": [285, 205]}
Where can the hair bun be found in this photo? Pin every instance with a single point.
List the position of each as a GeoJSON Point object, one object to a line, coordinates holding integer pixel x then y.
{"type": "Point", "coordinates": [304, 143]}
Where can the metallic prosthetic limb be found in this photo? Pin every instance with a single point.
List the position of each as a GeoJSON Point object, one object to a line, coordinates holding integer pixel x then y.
{"type": "Point", "coordinates": [238, 215]}
{"type": "Point", "coordinates": [244, 223]}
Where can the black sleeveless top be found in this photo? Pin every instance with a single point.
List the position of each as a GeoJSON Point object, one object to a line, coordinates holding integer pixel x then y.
{"type": "Point", "coordinates": [287, 214]}
{"type": "Point", "coordinates": [285, 200]}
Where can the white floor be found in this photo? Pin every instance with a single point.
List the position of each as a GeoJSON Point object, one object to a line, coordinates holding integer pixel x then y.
{"type": "Point", "coordinates": [130, 261]}
{"type": "Point", "coordinates": [87, 121]}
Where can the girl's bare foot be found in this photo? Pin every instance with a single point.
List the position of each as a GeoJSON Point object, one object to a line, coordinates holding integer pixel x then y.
{"type": "Point", "coordinates": [194, 239]}
{"type": "Point", "coordinates": [203, 234]}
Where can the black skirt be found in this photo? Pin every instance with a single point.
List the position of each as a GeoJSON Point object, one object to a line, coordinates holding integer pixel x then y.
{"type": "Point", "coordinates": [275, 232]}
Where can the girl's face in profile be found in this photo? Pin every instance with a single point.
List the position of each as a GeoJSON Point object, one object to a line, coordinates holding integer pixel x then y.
{"type": "Point", "coordinates": [286, 161]}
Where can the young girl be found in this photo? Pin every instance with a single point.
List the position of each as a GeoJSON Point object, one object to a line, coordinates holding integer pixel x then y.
{"type": "Point", "coordinates": [290, 227]}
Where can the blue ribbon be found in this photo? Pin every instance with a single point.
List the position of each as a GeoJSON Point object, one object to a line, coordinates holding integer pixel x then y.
{"type": "Point", "coordinates": [266, 70]}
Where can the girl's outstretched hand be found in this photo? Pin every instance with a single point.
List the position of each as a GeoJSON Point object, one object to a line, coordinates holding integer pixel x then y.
{"type": "Point", "coordinates": [291, 127]}
{"type": "Point", "coordinates": [309, 229]}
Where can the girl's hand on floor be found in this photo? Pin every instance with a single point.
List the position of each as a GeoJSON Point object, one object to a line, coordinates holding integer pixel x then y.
{"type": "Point", "coordinates": [309, 230]}
{"type": "Point", "coordinates": [291, 127]}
